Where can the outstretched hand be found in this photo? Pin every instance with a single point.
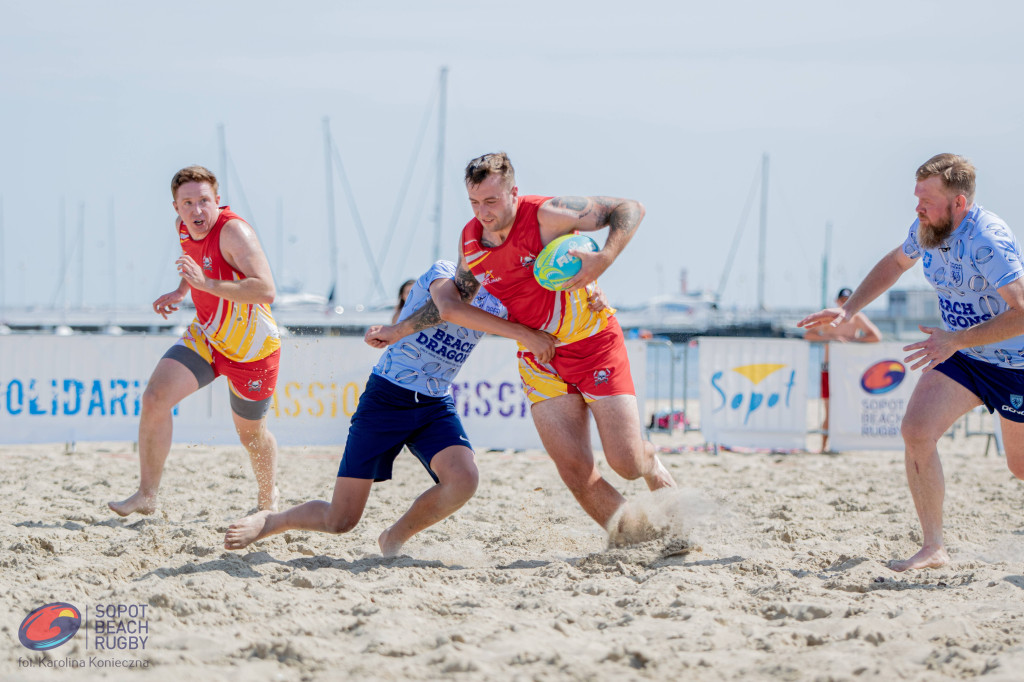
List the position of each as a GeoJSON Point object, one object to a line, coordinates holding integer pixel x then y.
{"type": "Point", "coordinates": [381, 336]}
{"type": "Point", "coordinates": [829, 316]}
{"type": "Point", "coordinates": [937, 348]}
{"type": "Point", "coordinates": [594, 264]}
{"type": "Point", "coordinates": [168, 303]}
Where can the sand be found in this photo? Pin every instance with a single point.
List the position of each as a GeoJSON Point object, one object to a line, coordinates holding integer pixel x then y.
{"type": "Point", "coordinates": [785, 578]}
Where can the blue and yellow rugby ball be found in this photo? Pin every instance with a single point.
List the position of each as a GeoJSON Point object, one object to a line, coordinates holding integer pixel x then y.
{"type": "Point", "coordinates": [555, 266]}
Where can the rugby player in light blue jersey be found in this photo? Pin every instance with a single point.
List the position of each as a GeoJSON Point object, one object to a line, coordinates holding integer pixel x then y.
{"type": "Point", "coordinates": [407, 403]}
{"type": "Point", "coordinates": [973, 260]}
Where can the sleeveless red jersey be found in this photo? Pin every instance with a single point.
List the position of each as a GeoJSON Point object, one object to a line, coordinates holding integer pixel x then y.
{"type": "Point", "coordinates": [506, 271]}
{"type": "Point", "coordinates": [241, 331]}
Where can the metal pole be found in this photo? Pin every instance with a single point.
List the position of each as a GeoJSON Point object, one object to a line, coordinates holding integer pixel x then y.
{"type": "Point", "coordinates": [686, 384]}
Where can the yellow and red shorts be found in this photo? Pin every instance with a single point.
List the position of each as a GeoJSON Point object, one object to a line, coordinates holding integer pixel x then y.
{"type": "Point", "coordinates": [595, 367]}
{"type": "Point", "coordinates": [254, 380]}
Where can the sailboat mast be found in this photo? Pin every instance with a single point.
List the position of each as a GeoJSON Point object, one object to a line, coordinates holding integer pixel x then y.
{"type": "Point", "coordinates": [824, 265]}
{"type": "Point", "coordinates": [763, 236]}
{"type": "Point", "coordinates": [63, 262]}
{"type": "Point", "coordinates": [113, 260]}
{"type": "Point", "coordinates": [280, 242]}
{"type": "Point", "coordinates": [3, 267]}
{"type": "Point", "coordinates": [332, 237]}
{"type": "Point", "coordinates": [439, 197]}
{"type": "Point", "coordinates": [223, 181]}
{"type": "Point", "coordinates": [81, 255]}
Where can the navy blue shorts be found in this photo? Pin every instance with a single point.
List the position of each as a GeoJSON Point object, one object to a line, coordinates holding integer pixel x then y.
{"type": "Point", "coordinates": [388, 417]}
{"type": "Point", "coordinates": [1000, 388]}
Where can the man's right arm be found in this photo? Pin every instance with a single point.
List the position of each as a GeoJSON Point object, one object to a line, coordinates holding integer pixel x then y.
{"type": "Point", "coordinates": [885, 273]}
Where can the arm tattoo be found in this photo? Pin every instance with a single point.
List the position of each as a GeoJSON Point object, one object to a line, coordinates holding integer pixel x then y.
{"type": "Point", "coordinates": [427, 316]}
{"type": "Point", "coordinates": [580, 205]}
{"type": "Point", "coordinates": [624, 218]}
{"type": "Point", "coordinates": [466, 283]}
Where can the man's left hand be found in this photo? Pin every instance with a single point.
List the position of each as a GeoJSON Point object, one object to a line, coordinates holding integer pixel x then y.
{"type": "Point", "coordinates": [937, 348]}
{"type": "Point", "coordinates": [381, 336]}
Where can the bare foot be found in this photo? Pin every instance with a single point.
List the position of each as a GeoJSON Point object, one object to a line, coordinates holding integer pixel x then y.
{"type": "Point", "coordinates": [929, 556]}
{"type": "Point", "coordinates": [246, 530]}
{"type": "Point", "coordinates": [269, 505]}
{"type": "Point", "coordinates": [136, 504]}
{"type": "Point", "coordinates": [389, 547]}
{"type": "Point", "coordinates": [659, 477]}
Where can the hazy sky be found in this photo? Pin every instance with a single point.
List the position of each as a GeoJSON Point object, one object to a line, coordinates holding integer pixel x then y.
{"type": "Point", "coordinates": [672, 103]}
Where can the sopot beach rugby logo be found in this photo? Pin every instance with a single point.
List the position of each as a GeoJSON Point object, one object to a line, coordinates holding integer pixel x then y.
{"type": "Point", "coordinates": [49, 626]}
{"type": "Point", "coordinates": [883, 377]}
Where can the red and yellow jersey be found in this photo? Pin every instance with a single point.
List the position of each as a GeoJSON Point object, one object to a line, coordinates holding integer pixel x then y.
{"type": "Point", "coordinates": [242, 332]}
{"type": "Point", "coordinates": [507, 273]}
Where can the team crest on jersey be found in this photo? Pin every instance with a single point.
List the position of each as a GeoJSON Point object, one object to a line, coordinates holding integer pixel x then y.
{"type": "Point", "coordinates": [207, 263]}
{"type": "Point", "coordinates": [527, 260]}
{"type": "Point", "coordinates": [956, 274]}
{"type": "Point", "coordinates": [255, 385]}
{"type": "Point", "coordinates": [1016, 401]}
{"type": "Point", "coordinates": [602, 376]}
{"type": "Point", "coordinates": [489, 278]}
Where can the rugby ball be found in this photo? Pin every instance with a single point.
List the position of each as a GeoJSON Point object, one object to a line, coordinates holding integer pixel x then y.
{"type": "Point", "coordinates": [555, 266]}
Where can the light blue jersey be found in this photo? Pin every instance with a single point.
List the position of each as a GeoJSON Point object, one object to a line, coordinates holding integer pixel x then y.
{"type": "Point", "coordinates": [428, 360]}
{"type": "Point", "coordinates": [976, 260]}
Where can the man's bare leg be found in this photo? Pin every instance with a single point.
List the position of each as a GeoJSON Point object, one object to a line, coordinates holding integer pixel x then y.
{"type": "Point", "coordinates": [936, 403]}
{"type": "Point", "coordinates": [824, 428]}
{"type": "Point", "coordinates": [169, 384]}
{"type": "Point", "coordinates": [1013, 444]}
{"type": "Point", "coordinates": [456, 469]}
{"type": "Point", "coordinates": [628, 454]}
{"type": "Point", "coordinates": [261, 445]}
{"type": "Point", "coordinates": [340, 515]}
{"type": "Point", "coordinates": [564, 429]}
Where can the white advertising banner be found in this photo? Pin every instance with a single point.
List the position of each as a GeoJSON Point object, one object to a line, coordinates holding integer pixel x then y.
{"type": "Point", "coordinates": [753, 392]}
{"type": "Point", "coordinates": [89, 388]}
{"type": "Point", "coordinates": [869, 387]}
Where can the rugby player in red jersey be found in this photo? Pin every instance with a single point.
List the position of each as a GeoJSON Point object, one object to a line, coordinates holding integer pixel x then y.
{"type": "Point", "coordinates": [223, 266]}
{"type": "Point", "coordinates": [590, 372]}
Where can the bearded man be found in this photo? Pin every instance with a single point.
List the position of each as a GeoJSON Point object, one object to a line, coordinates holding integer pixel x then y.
{"type": "Point", "coordinates": [973, 261]}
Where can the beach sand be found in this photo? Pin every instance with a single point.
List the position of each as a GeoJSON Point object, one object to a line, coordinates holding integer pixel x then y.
{"type": "Point", "coordinates": [785, 578]}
